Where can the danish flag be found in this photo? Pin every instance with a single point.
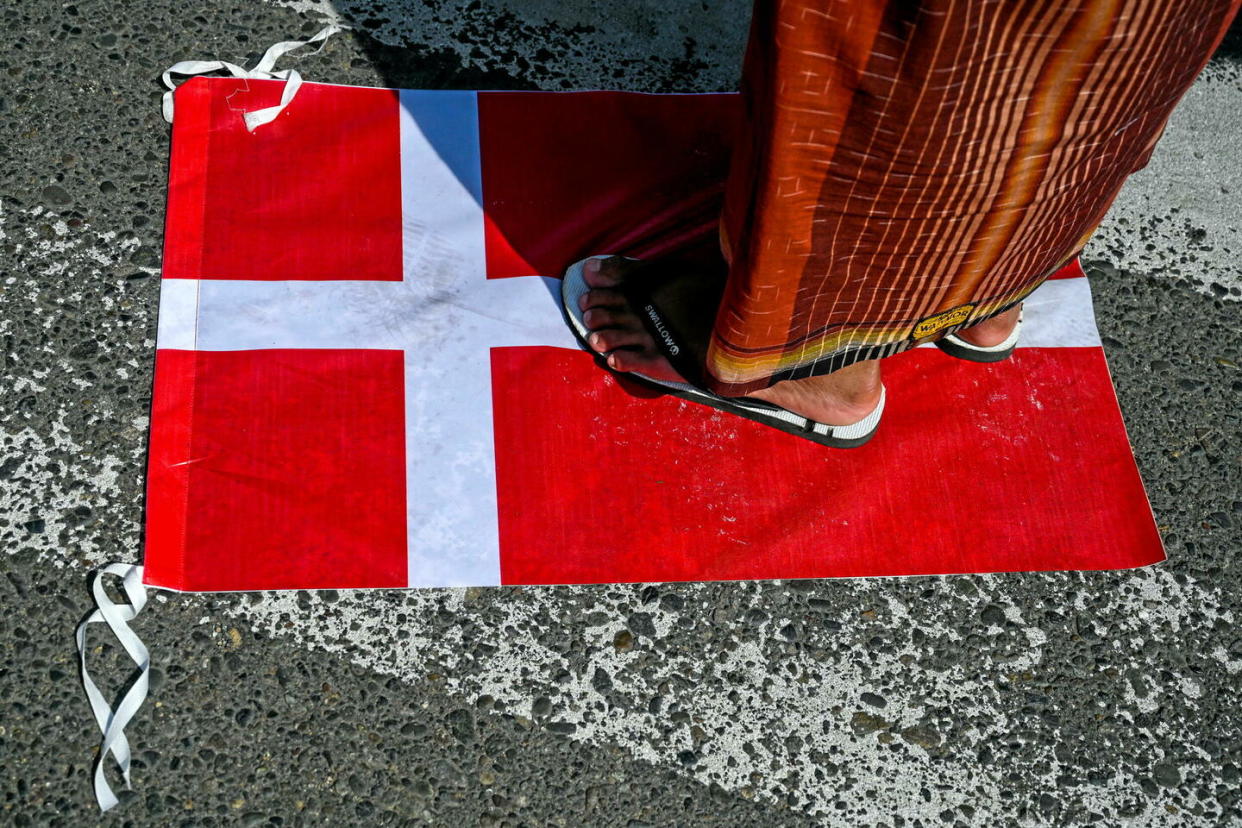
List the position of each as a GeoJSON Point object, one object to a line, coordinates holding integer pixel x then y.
{"type": "Point", "coordinates": [363, 378]}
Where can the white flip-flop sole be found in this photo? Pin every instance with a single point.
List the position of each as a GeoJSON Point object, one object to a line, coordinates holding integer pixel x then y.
{"type": "Point", "coordinates": [574, 285]}
{"type": "Point", "coordinates": [955, 346]}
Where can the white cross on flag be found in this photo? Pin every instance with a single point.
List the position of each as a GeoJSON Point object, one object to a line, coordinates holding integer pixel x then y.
{"type": "Point", "coordinates": [363, 378]}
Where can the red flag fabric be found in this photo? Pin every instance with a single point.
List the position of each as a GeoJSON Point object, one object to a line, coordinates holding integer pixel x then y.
{"type": "Point", "coordinates": [363, 378]}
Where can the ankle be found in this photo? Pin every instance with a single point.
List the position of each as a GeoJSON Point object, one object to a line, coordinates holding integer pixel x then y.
{"type": "Point", "coordinates": [991, 332]}
{"type": "Point", "coordinates": [844, 396]}
{"type": "Point", "coordinates": [857, 394]}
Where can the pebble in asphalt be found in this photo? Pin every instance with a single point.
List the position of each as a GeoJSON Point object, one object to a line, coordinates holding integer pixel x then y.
{"type": "Point", "coordinates": [1065, 699]}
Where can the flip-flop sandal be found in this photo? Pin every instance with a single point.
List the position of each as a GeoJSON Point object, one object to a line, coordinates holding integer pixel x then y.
{"type": "Point", "coordinates": [848, 436]}
{"type": "Point", "coordinates": [955, 346]}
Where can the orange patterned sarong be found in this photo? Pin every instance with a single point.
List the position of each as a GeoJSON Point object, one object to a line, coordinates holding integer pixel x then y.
{"type": "Point", "coordinates": [911, 167]}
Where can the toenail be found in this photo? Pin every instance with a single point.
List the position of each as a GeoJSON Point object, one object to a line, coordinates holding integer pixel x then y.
{"type": "Point", "coordinates": [595, 340]}
{"type": "Point", "coordinates": [588, 316]}
{"type": "Point", "coordinates": [591, 266]}
{"type": "Point", "coordinates": [612, 362]}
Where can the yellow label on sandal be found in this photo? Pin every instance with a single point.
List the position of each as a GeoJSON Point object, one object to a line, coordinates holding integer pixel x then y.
{"type": "Point", "coordinates": [938, 322]}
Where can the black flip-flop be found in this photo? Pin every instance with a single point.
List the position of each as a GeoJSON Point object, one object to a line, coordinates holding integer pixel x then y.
{"type": "Point", "coordinates": [955, 346]}
{"type": "Point", "coordinates": [848, 436]}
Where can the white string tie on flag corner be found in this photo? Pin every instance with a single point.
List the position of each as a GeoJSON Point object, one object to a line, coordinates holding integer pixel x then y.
{"type": "Point", "coordinates": [263, 70]}
{"type": "Point", "coordinates": [112, 722]}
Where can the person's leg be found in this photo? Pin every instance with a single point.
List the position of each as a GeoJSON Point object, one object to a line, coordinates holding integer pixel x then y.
{"type": "Point", "coordinates": [913, 168]}
{"type": "Point", "coordinates": [907, 170]}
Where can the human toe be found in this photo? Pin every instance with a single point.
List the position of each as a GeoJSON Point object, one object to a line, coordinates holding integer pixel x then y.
{"type": "Point", "coordinates": [625, 360]}
{"type": "Point", "coordinates": [612, 339]}
{"type": "Point", "coordinates": [603, 272]}
{"type": "Point", "coordinates": [597, 318]}
{"type": "Point", "coordinates": [601, 298]}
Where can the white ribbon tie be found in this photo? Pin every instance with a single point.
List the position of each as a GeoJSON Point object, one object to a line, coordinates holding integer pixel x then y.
{"type": "Point", "coordinates": [112, 722]}
{"type": "Point", "coordinates": [263, 70]}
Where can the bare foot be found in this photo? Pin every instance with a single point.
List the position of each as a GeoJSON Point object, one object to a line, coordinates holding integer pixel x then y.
{"type": "Point", "coordinates": [615, 329]}
{"type": "Point", "coordinates": [840, 398]}
{"type": "Point", "coordinates": [992, 332]}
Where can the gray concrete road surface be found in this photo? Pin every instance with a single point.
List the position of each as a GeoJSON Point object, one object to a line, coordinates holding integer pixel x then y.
{"type": "Point", "coordinates": [1060, 699]}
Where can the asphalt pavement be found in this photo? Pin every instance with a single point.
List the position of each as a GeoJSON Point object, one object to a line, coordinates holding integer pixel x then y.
{"type": "Point", "coordinates": [1062, 698]}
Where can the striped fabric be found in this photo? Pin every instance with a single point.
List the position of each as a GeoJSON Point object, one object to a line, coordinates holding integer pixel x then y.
{"type": "Point", "coordinates": [909, 168]}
